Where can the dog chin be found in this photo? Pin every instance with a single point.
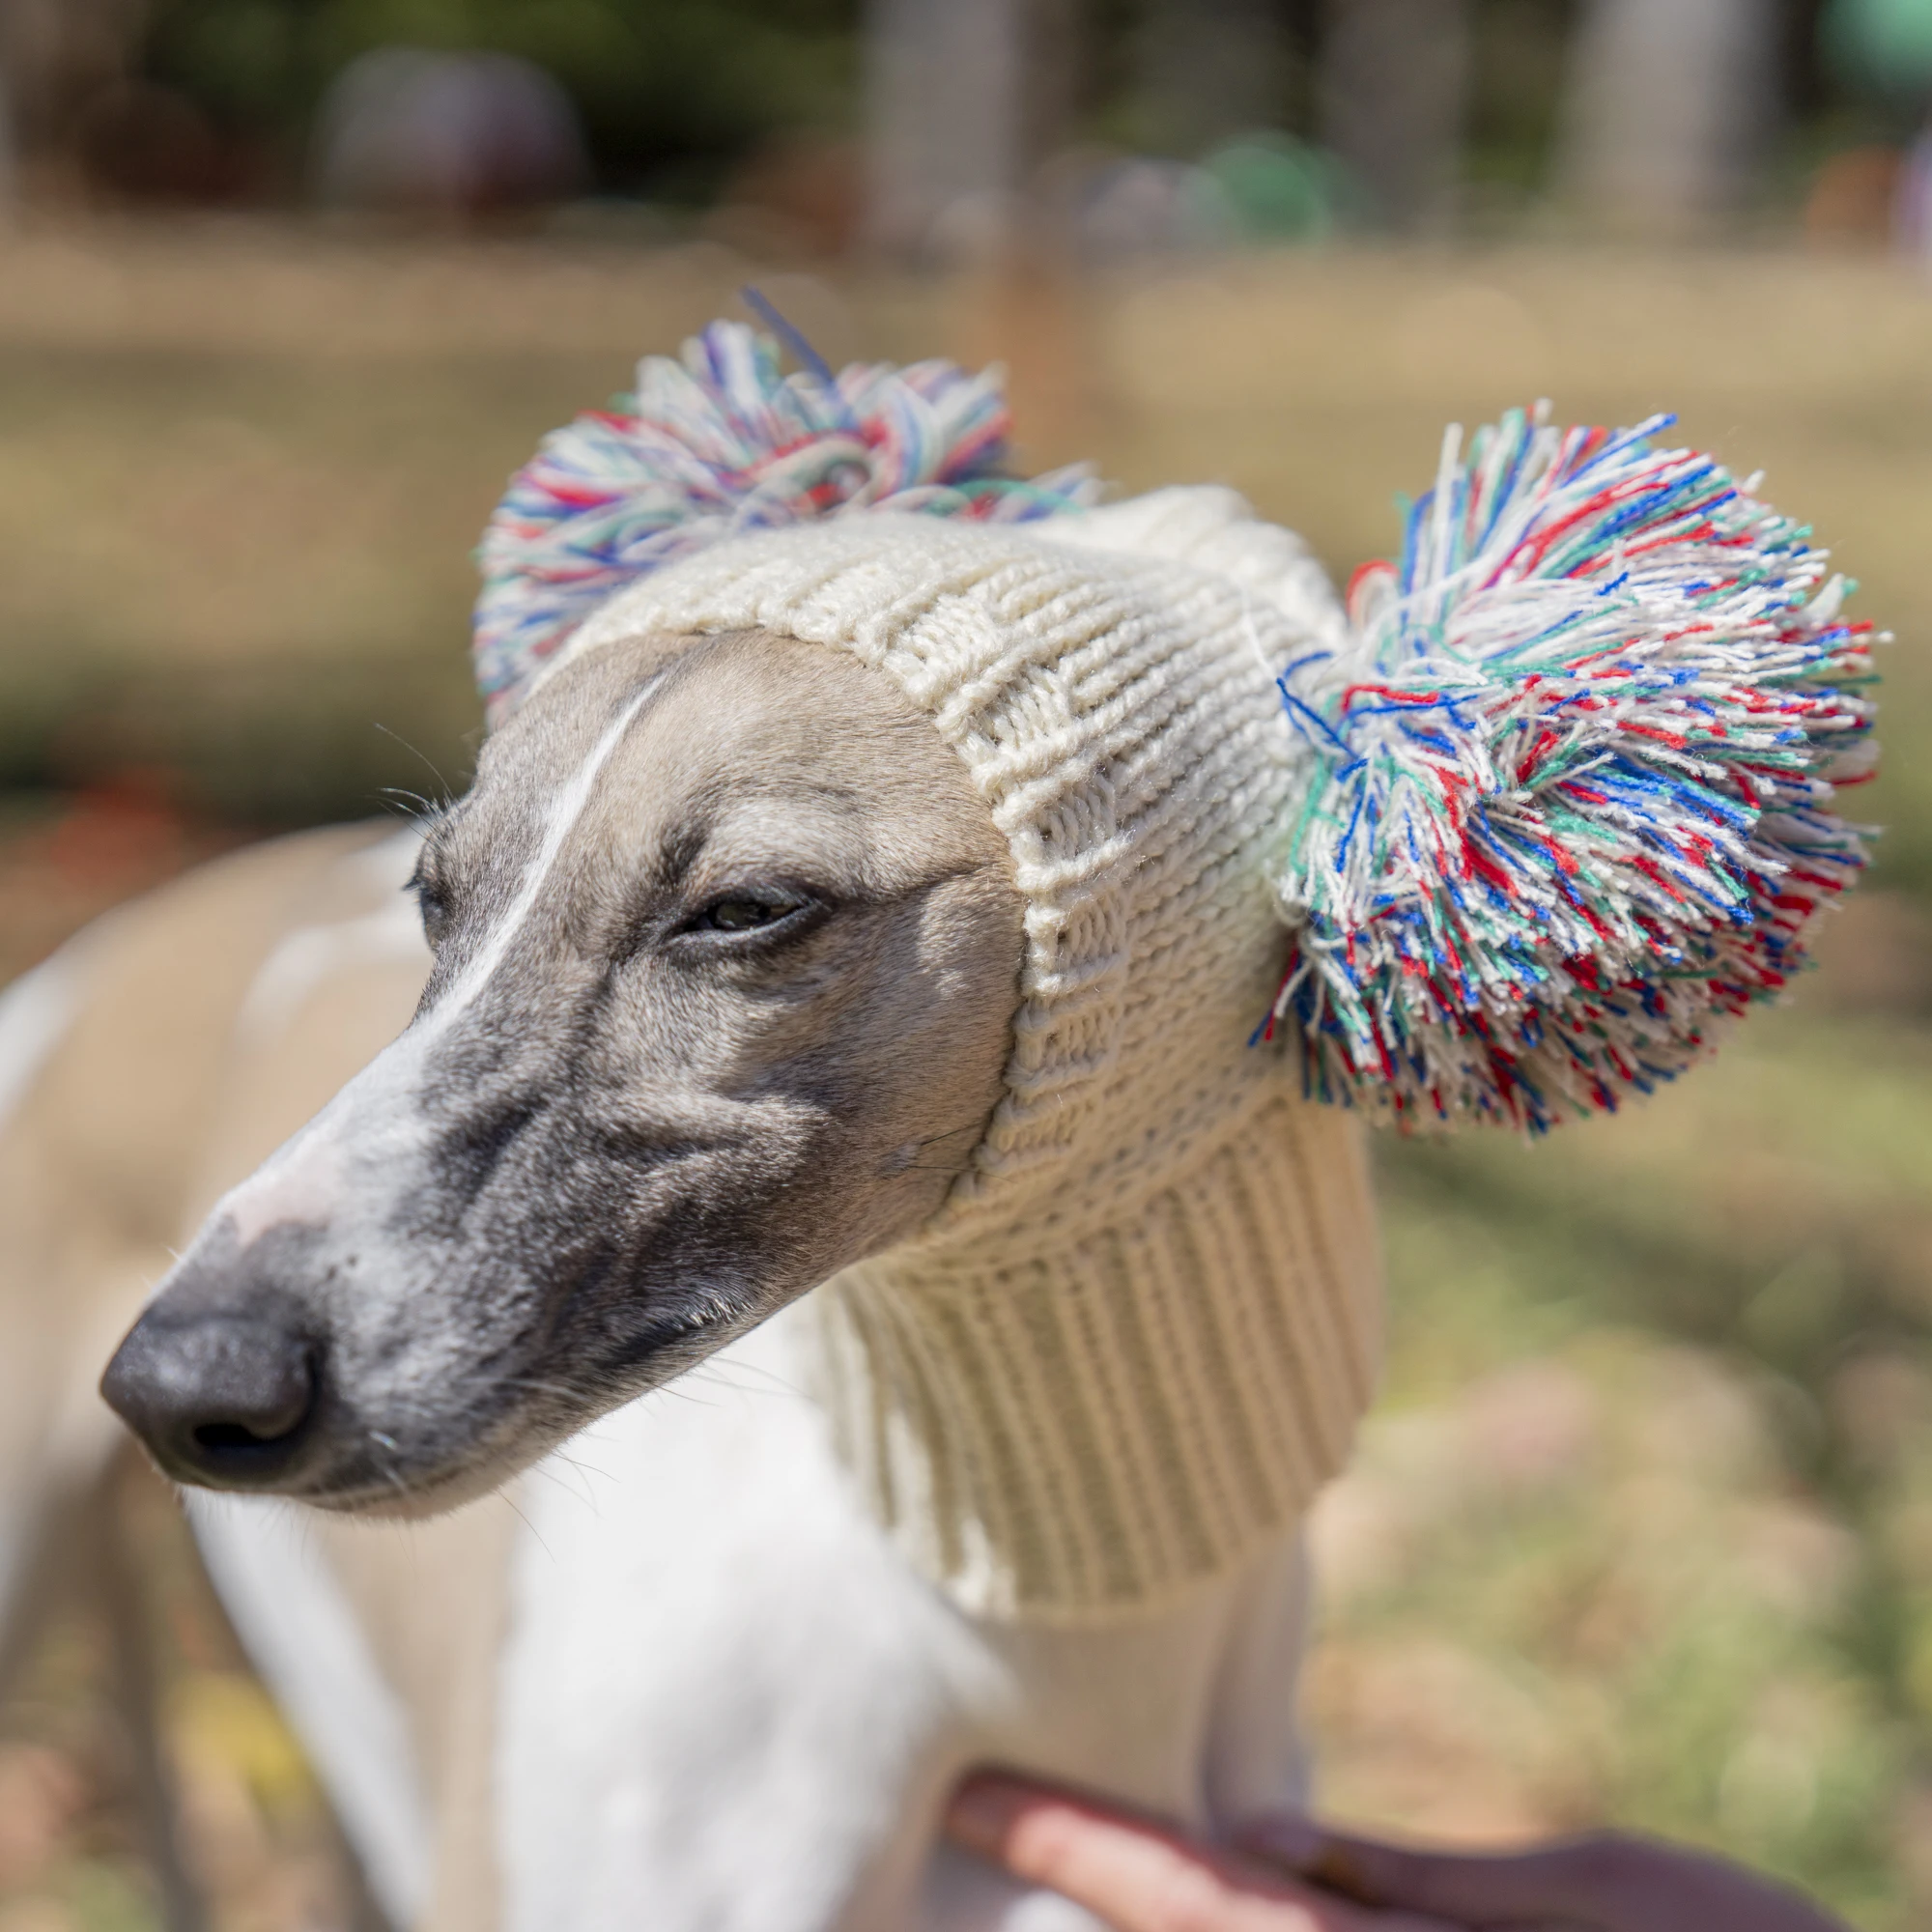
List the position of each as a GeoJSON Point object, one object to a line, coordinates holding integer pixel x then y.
{"type": "Point", "coordinates": [416, 1495]}
{"type": "Point", "coordinates": [502, 1453]}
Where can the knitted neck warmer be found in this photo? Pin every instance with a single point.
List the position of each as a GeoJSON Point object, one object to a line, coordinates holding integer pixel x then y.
{"type": "Point", "coordinates": [1551, 801]}
{"type": "Point", "coordinates": [1137, 1336]}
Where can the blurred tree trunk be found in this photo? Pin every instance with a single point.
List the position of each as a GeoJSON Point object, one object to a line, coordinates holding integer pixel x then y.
{"type": "Point", "coordinates": [1669, 106]}
{"type": "Point", "coordinates": [966, 98]}
{"type": "Point", "coordinates": [1210, 68]}
{"type": "Point", "coordinates": [1393, 89]}
{"type": "Point", "coordinates": [56, 58]}
{"type": "Point", "coordinates": [10, 164]}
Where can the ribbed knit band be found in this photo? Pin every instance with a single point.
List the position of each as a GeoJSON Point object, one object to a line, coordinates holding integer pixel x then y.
{"type": "Point", "coordinates": [1099, 1429]}
{"type": "Point", "coordinates": [1135, 1337]}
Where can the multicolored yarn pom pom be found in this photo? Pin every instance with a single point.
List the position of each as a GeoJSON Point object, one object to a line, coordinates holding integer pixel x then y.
{"type": "Point", "coordinates": [718, 443]}
{"type": "Point", "coordinates": [1575, 802]}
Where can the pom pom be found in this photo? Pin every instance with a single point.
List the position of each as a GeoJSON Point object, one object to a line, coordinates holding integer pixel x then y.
{"type": "Point", "coordinates": [1576, 772]}
{"type": "Point", "coordinates": [718, 443]}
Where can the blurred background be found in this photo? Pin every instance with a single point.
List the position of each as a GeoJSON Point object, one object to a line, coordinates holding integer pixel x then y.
{"type": "Point", "coordinates": [1643, 1528]}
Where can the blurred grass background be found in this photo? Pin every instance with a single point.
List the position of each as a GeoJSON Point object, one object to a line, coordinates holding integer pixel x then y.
{"type": "Point", "coordinates": [1643, 1528]}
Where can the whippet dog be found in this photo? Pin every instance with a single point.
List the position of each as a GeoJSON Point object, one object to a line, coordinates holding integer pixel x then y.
{"type": "Point", "coordinates": [685, 1681]}
{"type": "Point", "coordinates": [838, 990]}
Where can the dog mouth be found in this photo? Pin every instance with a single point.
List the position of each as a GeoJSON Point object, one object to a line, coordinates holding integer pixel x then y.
{"type": "Point", "coordinates": [420, 1498]}
{"type": "Point", "coordinates": [384, 1433]}
{"type": "Point", "coordinates": [433, 1464]}
{"type": "Point", "coordinates": [377, 1474]}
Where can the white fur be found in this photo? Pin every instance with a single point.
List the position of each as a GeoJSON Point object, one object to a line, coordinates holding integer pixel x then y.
{"type": "Point", "coordinates": [302, 1636]}
{"type": "Point", "coordinates": [722, 1686]}
{"type": "Point", "coordinates": [35, 1013]}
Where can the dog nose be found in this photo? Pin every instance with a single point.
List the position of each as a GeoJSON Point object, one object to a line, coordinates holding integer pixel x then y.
{"type": "Point", "coordinates": [218, 1400]}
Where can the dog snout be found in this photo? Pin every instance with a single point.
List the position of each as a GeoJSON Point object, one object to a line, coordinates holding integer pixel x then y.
{"type": "Point", "coordinates": [220, 1399]}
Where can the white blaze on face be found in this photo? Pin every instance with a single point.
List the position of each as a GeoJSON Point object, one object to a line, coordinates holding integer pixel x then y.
{"type": "Point", "coordinates": [305, 1181]}
{"type": "Point", "coordinates": [565, 810]}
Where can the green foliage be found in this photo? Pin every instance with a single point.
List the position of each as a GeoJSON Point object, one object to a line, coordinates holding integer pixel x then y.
{"type": "Point", "coordinates": [1281, 190]}
{"type": "Point", "coordinates": [1883, 44]}
{"type": "Point", "coordinates": [248, 62]}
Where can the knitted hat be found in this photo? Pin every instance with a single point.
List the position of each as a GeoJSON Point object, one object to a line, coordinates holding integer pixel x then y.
{"type": "Point", "coordinates": [1137, 1337]}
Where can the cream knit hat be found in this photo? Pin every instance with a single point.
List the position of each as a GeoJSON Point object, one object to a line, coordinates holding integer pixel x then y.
{"type": "Point", "coordinates": [1140, 1333]}
{"type": "Point", "coordinates": [1137, 1336]}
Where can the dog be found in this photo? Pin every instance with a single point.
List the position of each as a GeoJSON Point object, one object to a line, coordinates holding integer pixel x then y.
{"type": "Point", "coordinates": [830, 1268]}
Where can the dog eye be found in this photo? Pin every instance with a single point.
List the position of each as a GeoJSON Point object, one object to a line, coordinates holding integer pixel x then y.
{"type": "Point", "coordinates": [433, 903]}
{"type": "Point", "coordinates": [743, 915]}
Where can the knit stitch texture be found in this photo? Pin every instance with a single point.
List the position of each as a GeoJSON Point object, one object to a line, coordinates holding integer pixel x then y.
{"type": "Point", "coordinates": [1137, 1337]}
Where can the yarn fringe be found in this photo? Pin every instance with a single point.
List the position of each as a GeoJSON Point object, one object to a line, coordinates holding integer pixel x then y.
{"type": "Point", "coordinates": [718, 443]}
{"type": "Point", "coordinates": [1576, 781]}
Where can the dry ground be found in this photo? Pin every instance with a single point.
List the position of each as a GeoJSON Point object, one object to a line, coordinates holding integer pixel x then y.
{"type": "Point", "coordinates": [1643, 1526]}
